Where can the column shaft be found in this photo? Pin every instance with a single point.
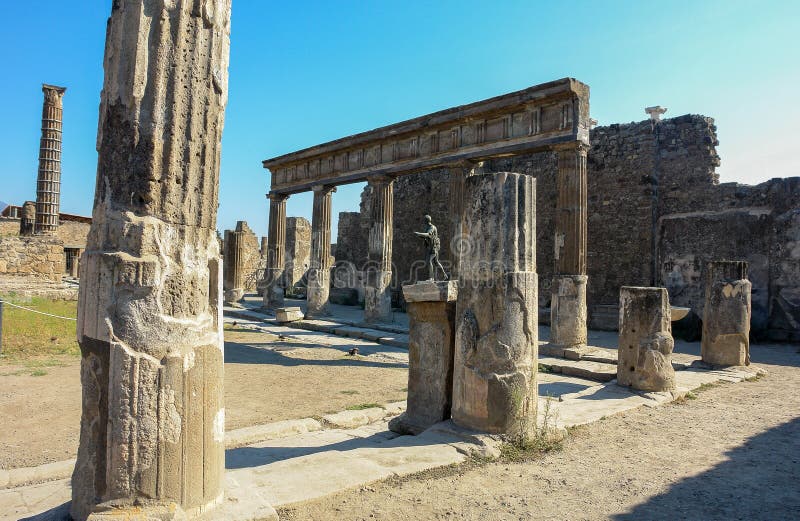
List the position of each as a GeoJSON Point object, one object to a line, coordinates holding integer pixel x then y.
{"type": "Point", "coordinates": [272, 284]}
{"type": "Point", "coordinates": [319, 273]}
{"type": "Point", "coordinates": [377, 290]}
{"type": "Point", "coordinates": [152, 436]}
{"type": "Point", "coordinates": [48, 181]}
{"type": "Point", "coordinates": [568, 292]}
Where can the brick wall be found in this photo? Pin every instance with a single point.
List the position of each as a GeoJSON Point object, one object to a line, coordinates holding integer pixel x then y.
{"type": "Point", "coordinates": [41, 257]}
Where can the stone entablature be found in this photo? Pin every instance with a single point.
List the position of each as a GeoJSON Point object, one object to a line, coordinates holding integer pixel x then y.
{"type": "Point", "coordinates": [534, 119]}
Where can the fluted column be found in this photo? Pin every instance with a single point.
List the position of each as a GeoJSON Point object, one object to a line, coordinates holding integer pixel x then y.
{"type": "Point", "coordinates": [319, 273]}
{"type": "Point", "coordinates": [458, 176]}
{"type": "Point", "coordinates": [568, 298]}
{"type": "Point", "coordinates": [377, 290]}
{"type": "Point", "coordinates": [48, 180]}
{"type": "Point", "coordinates": [152, 439]}
{"type": "Point", "coordinates": [233, 280]}
{"type": "Point", "coordinates": [272, 285]}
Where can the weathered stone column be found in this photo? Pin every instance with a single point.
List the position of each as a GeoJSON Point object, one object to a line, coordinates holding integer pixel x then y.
{"type": "Point", "coordinates": [431, 309]}
{"type": "Point", "coordinates": [726, 315]}
{"type": "Point", "coordinates": [272, 285]}
{"type": "Point", "coordinates": [233, 259]}
{"type": "Point", "coordinates": [568, 292]}
{"type": "Point", "coordinates": [458, 175]}
{"type": "Point", "coordinates": [378, 272]}
{"type": "Point", "coordinates": [494, 378]}
{"type": "Point", "coordinates": [149, 314]}
{"type": "Point", "coordinates": [27, 221]}
{"type": "Point", "coordinates": [319, 273]}
{"type": "Point", "coordinates": [48, 180]}
{"type": "Point", "coordinates": [645, 339]}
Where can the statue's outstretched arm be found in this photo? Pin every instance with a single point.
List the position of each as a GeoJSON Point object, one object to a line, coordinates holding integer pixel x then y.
{"type": "Point", "coordinates": [423, 234]}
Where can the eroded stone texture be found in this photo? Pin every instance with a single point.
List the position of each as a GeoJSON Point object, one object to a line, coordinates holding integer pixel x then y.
{"type": "Point", "coordinates": [431, 310]}
{"type": "Point", "coordinates": [726, 315]}
{"type": "Point", "coordinates": [494, 379]}
{"type": "Point", "coordinates": [27, 221]}
{"type": "Point", "coordinates": [645, 339]}
{"type": "Point", "coordinates": [233, 261]}
{"type": "Point", "coordinates": [48, 180]}
{"type": "Point", "coordinates": [568, 292]}
{"type": "Point", "coordinates": [298, 249]}
{"type": "Point", "coordinates": [149, 314]}
{"type": "Point", "coordinates": [319, 273]}
{"type": "Point", "coordinates": [271, 286]}
{"type": "Point", "coordinates": [378, 271]}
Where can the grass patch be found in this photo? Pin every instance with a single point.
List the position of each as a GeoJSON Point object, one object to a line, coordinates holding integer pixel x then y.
{"type": "Point", "coordinates": [754, 378]}
{"type": "Point", "coordinates": [28, 336]}
{"type": "Point", "coordinates": [348, 392]}
{"type": "Point", "coordinates": [534, 442]}
{"type": "Point", "coordinates": [362, 406]}
{"type": "Point", "coordinates": [545, 369]}
{"type": "Point", "coordinates": [38, 372]}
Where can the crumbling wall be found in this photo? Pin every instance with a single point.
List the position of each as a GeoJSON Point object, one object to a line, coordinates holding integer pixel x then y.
{"type": "Point", "coordinates": [298, 249]}
{"type": "Point", "coordinates": [41, 257]}
{"type": "Point", "coordinates": [73, 233]}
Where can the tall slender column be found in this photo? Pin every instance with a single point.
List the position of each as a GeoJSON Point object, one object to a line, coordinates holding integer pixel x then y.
{"type": "Point", "coordinates": [319, 273]}
{"type": "Point", "coordinates": [377, 290]}
{"type": "Point", "coordinates": [152, 439]}
{"type": "Point", "coordinates": [233, 274]}
{"type": "Point", "coordinates": [568, 298]}
{"type": "Point", "coordinates": [48, 181]}
{"type": "Point", "coordinates": [272, 285]}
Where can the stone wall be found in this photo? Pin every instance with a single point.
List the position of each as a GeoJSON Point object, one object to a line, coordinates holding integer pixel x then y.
{"type": "Point", "coordinates": [655, 203]}
{"type": "Point", "coordinates": [298, 249]}
{"type": "Point", "coordinates": [41, 257]}
{"type": "Point", "coordinates": [73, 233]}
{"type": "Point", "coordinates": [9, 227]}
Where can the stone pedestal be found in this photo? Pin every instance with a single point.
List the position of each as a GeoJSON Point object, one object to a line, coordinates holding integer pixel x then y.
{"type": "Point", "coordinates": [431, 309]}
{"type": "Point", "coordinates": [645, 339]}
{"type": "Point", "coordinates": [568, 311]}
{"type": "Point", "coordinates": [272, 284]}
{"type": "Point", "coordinates": [378, 272]}
{"type": "Point", "coordinates": [494, 377]}
{"type": "Point", "coordinates": [152, 438]}
{"type": "Point", "coordinates": [568, 305]}
{"type": "Point", "coordinates": [726, 315]}
{"type": "Point", "coordinates": [319, 273]}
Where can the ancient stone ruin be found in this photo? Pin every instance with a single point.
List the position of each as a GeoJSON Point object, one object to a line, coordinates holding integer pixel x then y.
{"type": "Point", "coordinates": [149, 325]}
{"type": "Point", "coordinates": [726, 321]}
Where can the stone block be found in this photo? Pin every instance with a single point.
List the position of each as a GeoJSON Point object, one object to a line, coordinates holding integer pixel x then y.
{"type": "Point", "coordinates": [431, 309]}
{"type": "Point", "coordinates": [343, 296]}
{"type": "Point", "coordinates": [726, 315]}
{"type": "Point", "coordinates": [645, 340]}
{"type": "Point", "coordinates": [288, 314]}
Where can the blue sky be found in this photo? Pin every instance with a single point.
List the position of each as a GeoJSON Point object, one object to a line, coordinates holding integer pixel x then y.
{"type": "Point", "coordinates": [307, 72]}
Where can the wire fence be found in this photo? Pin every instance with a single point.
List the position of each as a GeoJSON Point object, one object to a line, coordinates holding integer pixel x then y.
{"type": "Point", "coordinates": [36, 311]}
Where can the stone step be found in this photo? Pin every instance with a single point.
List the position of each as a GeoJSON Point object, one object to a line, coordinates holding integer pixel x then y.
{"type": "Point", "coordinates": [597, 371]}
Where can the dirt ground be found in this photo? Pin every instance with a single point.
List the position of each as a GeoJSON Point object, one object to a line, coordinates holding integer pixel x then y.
{"type": "Point", "coordinates": [266, 379]}
{"type": "Point", "coordinates": [731, 453]}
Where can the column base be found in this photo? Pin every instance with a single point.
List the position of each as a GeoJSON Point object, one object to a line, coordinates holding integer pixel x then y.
{"type": "Point", "coordinates": [272, 289]}
{"type": "Point", "coordinates": [378, 297]}
{"type": "Point", "coordinates": [317, 292]}
{"type": "Point", "coordinates": [568, 312]}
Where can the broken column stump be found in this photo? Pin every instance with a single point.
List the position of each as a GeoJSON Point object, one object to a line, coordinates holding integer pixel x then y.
{"type": "Point", "coordinates": [645, 339]}
{"type": "Point", "coordinates": [431, 310]}
{"type": "Point", "coordinates": [152, 438]}
{"type": "Point", "coordinates": [726, 315]}
{"type": "Point", "coordinates": [494, 376]}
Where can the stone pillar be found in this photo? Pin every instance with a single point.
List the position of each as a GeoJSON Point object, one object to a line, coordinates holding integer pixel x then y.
{"type": "Point", "coordinates": [431, 310]}
{"type": "Point", "coordinates": [27, 222]}
{"type": "Point", "coordinates": [378, 273]}
{"type": "Point", "coordinates": [48, 180]}
{"type": "Point", "coordinates": [645, 339]}
{"type": "Point", "coordinates": [458, 175]}
{"type": "Point", "coordinates": [319, 273]}
{"type": "Point", "coordinates": [726, 315]}
{"type": "Point", "coordinates": [264, 246]}
{"type": "Point", "coordinates": [568, 293]}
{"type": "Point", "coordinates": [494, 378]}
{"type": "Point", "coordinates": [233, 269]}
{"type": "Point", "coordinates": [152, 439]}
{"type": "Point", "coordinates": [272, 285]}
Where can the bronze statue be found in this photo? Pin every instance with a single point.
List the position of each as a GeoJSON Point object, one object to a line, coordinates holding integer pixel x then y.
{"type": "Point", "coordinates": [432, 243]}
